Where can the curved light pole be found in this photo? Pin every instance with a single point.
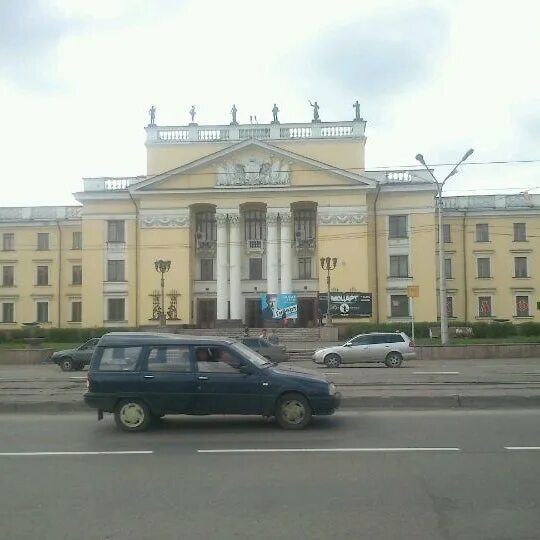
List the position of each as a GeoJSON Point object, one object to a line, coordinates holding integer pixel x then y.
{"type": "Point", "coordinates": [162, 267]}
{"type": "Point", "coordinates": [328, 264]}
{"type": "Point", "coordinates": [442, 276]}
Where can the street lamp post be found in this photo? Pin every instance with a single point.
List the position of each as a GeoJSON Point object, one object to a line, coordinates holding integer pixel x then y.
{"type": "Point", "coordinates": [328, 264]}
{"type": "Point", "coordinates": [440, 210]}
{"type": "Point", "coordinates": [162, 267]}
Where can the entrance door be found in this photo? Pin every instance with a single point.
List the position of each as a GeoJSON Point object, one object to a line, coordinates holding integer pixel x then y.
{"type": "Point", "coordinates": [206, 312]}
{"type": "Point", "coordinates": [306, 312]}
{"type": "Point", "coordinates": [253, 313]}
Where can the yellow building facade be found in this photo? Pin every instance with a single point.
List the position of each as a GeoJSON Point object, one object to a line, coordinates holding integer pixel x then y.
{"type": "Point", "coordinates": [242, 211]}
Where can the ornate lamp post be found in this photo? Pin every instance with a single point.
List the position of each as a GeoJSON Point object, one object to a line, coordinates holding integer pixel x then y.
{"type": "Point", "coordinates": [440, 211]}
{"type": "Point", "coordinates": [328, 264]}
{"type": "Point", "coordinates": [162, 267]}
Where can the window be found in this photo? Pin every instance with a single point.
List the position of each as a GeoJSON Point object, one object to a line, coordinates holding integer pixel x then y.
{"type": "Point", "coordinates": [207, 269]}
{"type": "Point", "coordinates": [399, 305]}
{"type": "Point", "coordinates": [115, 270]}
{"type": "Point", "coordinates": [42, 311]}
{"type": "Point", "coordinates": [446, 232]}
{"type": "Point", "coordinates": [376, 339]}
{"type": "Point", "coordinates": [76, 240]}
{"type": "Point", "coordinates": [116, 309]}
{"type": "Point", "coordinates": [116, 231]}
{"type": "Point", "coordinates": [484, 306]}
{"type": "Point", "coordinates": [520, 232]}
{"type": "Point", "coordinates": [399, 265]}
{"type": "Point", "coordinates": [304, 224]}
{"type": "Point", "coordinates": [119, 358]}
{"type": "Point", "coordinates": [42, 241]}
{"type": "Point", "coordinates": [397, 227]}
{"type": "Point", "coordinates": [304, 267]}
{"type": "Point", "coordinates": [449, 306]}
{"type": "Point", "coordinates": [8, 273]}
{"type": "Point", "coordinates": [255, 225]}
{"type": "Point", "coordinates": [8, 312]}
{"type": "Point", "coordinates": [520, 267]}
{"type": "Point", "coordinates": [482, 232]}
{"type": "Point", "coordinates": [42, 275]}
{"type": "Point", "coordinates": [522, 306]}
{"type": "Point", "coordinates": [76, 311]}
{"type": "Point", "coordinates": [255, 268]}
{"type": "Point", "coordinates": [483, 267]}
{"type": "Point", "coordinates": [448, 268]}
{"type": "Point", "coordinates": [205, 226]}
{"type": "Point", "coordinates": [76, 274]}
{"type": "Point", "coordinates": [217, 360]}
{"type": "Point", "coordinates": [8, 241]}
{"type": "Point", "coordinates": [171, 358]}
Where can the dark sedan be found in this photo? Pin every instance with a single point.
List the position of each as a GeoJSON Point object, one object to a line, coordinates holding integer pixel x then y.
{"type": "Point", "coordinates": [75, 359]}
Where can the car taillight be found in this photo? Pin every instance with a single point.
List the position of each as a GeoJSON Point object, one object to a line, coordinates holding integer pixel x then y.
{"type": "Point", "coordinates": [412, 344]}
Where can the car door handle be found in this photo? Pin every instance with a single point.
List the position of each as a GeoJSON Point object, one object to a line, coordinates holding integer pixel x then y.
{"type": "Point", "coordinates": [149, 376]}
{"type": "Point", "coordinates": [201, 378]}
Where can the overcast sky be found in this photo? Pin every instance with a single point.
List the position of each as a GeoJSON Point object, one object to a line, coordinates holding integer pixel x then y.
{"type": "Point", "coordinates": [77, 78]}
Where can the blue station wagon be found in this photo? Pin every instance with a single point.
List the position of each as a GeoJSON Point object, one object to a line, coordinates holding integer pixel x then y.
{"type": "Point", "coordinates": [141, 376]}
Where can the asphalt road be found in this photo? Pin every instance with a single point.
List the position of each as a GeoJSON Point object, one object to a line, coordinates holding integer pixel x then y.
{"type": "Point", "coordinates": [419, 475]}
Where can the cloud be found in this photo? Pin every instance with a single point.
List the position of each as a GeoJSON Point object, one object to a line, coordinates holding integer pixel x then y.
{"type": "Point", "coordinates": [383, 55]}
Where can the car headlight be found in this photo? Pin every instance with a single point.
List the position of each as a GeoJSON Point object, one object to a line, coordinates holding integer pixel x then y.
{"type": "Point", "coordinates": [332, 388]}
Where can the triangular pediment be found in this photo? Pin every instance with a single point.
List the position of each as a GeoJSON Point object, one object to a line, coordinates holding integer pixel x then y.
{"type": "Point", "coordinates": [254, 164]}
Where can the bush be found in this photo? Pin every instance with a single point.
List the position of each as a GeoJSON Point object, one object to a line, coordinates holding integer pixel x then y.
{"type": "Point", "coordinates": [421, 329]}
{"type": "Point", "coordinates": [58, 335]}
{"type": "Point", "coordinates": [528, 329]}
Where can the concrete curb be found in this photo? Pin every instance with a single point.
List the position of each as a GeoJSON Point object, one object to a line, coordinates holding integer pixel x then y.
{"type": "Point", "coordinates": [348, 402]}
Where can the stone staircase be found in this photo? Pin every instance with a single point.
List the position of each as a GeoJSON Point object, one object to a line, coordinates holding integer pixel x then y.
{"type": "Point", "coordinates": [286, 335]}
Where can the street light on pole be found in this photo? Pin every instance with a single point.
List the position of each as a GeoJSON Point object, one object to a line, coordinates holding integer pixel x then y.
{"type": "Point", "coordinates": [162, 267]}
{"type": "Point", "coordinates": [442, 276]}
{"type": "Point", "coordinates": [328, 264]}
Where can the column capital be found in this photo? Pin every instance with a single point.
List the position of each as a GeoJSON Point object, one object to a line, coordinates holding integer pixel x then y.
{"type": "Point", "coordinates": [271, 217]}
{"type": "Point", "coordinates": [285, 217]}
{"type": "Point", "coordinates": [221, 219]}
{"type": "Point", "coordinates": [234, 219]}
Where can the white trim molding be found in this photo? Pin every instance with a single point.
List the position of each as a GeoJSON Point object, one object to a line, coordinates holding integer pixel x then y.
{"type": "Point", "coordinates": [341, 215]}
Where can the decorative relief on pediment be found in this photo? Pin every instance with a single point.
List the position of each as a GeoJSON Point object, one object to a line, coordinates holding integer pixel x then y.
{"type": "Point", "coordinates": [254, 171]}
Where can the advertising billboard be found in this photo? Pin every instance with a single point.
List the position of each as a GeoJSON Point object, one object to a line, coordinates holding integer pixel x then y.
{"type": "Point", "coordinates": [346, 304]}
{"type": "Point", "coordinates": [279, 306]}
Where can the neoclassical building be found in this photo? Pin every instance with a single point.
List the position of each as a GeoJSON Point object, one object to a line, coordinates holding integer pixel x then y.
{"type": "Point", "coordinates": [241, 211]}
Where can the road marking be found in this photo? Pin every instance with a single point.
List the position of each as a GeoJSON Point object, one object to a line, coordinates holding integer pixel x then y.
{"type": "Point", "coordinates": [522, 447]}
{"type": "Point", "coordinates": [285, 450]}
{"type": "Point", "coordinates": [331, 373]}
{"type": "Point", "coordinates": [81, 378]}
{"type": "Point", "coordinates": [435, 372]}
{"type": "Point", "coordinates": [104, 453]}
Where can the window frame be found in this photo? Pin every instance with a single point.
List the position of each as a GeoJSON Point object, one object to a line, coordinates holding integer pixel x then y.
{"type": "Point", "coordinates": [255, 276]}
{"type": "Point", "coordinates": [528, 313]}
{"type": "Point", "coordinates": [76, 245]}
{"type": "Point", "coordinates": [408, 304]}
{"type": "Point", "coordinates": [73, 318]}
{"type": "Point", "coordinates": [112, 263]}
{"type": "Point", "coordinates": [109, 300]}
{"type": "Point", "coordinates": [42, 303]}
{"type": "Point", "coordinates": [12, 304]}
{"type": "Point", "coordinates": [448, 266]}
{"type": "Point", "coordinates": [489, 275]}
{"type": "Point", "coordinates": [100, 351]}
{"type": "Point", "coordinates": [480, 229]}
{"type": "Point", "coordinates": [517, 236]}
{"type": "Point", "coordinates": [479, 299]}
{"type": "Point", "coordinates": [5, 246]}
{"type": "Point", "coordinates": [521, 258]}
{"type": "Point", "coordinates": [145, 365]}
{"type": "Point", "coordinates": [395, 232]}
{"type": "Point", "coordinates": [114, 227]}
{"type": "Point", "coordinates": [46, 267]}
{"type": "Point", "coordinates": [399, 274]}
{"type": "Point", "coordinates": [303, 264]}
{"type": "Point", "coordinates": [12, 277]}
{"type": "Point", "coordinates": [76, 274]}
{"type": "Point", "coordinates": [45, 245]}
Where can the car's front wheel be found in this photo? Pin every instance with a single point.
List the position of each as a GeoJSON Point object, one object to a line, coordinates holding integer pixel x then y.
{"type": "Point", "coordinates": [66, 364]}
{"type": "Point", "coordinates": [393, 360]}
{"type": "Point", "coordinates": [293, 411]}
{"type": "Point", "coordinates": [332, 360]}
{"type": "Point", "coordinates": [132, 415]}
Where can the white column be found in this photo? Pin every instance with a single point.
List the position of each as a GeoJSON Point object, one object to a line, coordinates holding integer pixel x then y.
{"type": "Point", "coordinates": [221, 264]}
{"type": "Point", "coordinates": [272, 270]}
{"type": "Point", "coordinates": [236, 267]}
{"type": "Point", "coordinates": [286, 258]}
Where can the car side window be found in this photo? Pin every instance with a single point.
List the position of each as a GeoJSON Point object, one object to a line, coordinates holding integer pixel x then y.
{"type": "Point", "coordinates": [251, 342]}
{"type": "Point", "coordinates": [169, 358]}
{"type": "Point", "coordinates": [119, 358]}
{"type": "Point", "coordinates": [392, 338]}
{"type": "Point", "coordinates": [360, 340]}
{"type": "Point", "coordinates": [217, 360]}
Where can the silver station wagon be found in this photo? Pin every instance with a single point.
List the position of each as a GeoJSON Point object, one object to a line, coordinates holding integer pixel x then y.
{"type": "Point", "coordinates": [390, 348]}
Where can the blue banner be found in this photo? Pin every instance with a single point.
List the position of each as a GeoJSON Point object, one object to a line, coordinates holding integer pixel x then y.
{"type": "Point", "coordinates": [279, 306]}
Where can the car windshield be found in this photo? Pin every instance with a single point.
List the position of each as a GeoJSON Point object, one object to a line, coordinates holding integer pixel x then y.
{"type": "Point", "coordinates": [254, 357]}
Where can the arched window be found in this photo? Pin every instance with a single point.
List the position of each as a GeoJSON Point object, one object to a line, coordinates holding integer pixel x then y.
{"type": "Point", "coordinates": [304, 224]}
{"type": "Point", "coordinates": [205, 226]}
{"type": "Point", "coordinates": [255, 225]}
